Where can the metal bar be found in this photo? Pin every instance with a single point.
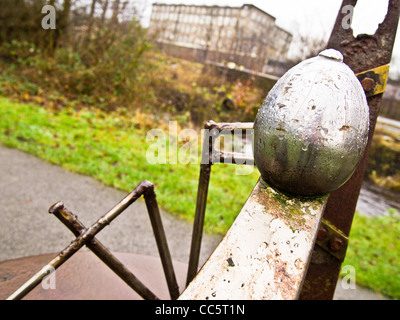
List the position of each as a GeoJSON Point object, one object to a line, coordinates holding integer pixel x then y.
{"type": "Point", "coordinates": [229, 126]}
{"type": "Point", "coordinates": [265, 253]}
{"type": "Point", "coordinates": [232, 157]}
{"type": "Point", "coordinates": [201, 203]}
{"type": "Point", "coordinates": [226, 128]}
{"type": "Point", "coordinates": [161, 240]}
{"type": "Point", "coordinates": [78, 243]}
{"type": "Point", "coordinates": [210, 155]}
{"type": "Point", "coordinates": [76, 227]}
{"type": "Point", "coordinates": [361, 54]}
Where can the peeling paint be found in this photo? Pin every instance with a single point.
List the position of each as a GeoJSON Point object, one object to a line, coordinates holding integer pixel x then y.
{"type": "Point", "coordinates": [265, 253]}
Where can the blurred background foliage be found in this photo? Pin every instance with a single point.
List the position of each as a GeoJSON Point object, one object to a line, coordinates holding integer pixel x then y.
{"type": "Point", "coordinates": [99, 55]}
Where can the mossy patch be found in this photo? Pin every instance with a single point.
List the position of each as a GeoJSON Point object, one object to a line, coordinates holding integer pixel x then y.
{"type": "Point", "coordinates": [293, 210]}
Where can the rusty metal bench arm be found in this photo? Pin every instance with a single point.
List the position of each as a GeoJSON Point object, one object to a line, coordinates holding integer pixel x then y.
{"type": "Point", "coordinates": [265, 253]}
{"type": "Point", "coordinates": [227, 128]}
{"type": "Point", "coordinates": [283, 233]}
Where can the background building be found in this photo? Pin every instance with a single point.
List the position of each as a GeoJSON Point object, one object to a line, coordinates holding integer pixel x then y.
{"type": "Point", "coordinates": [245, 35]}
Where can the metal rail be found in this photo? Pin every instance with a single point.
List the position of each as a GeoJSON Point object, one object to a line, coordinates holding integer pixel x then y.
{"type": "Point", "coordinates": [211, 155]}
{"type": "Point", "coordinates": [266, 251]}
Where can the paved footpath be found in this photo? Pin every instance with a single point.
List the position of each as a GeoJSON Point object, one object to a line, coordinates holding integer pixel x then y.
{"type": "Point", "coordinates": [29, 186]}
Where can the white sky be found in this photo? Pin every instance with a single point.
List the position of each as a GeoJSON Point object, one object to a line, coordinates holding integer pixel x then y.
{"type": "Point", "coordinates": [313, 17]}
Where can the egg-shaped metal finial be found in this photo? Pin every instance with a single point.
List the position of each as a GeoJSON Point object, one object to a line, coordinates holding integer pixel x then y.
{"type": "Point", "coordinates": [311, 131]}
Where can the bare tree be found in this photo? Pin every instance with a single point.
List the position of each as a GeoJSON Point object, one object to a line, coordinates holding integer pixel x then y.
{"type": "Point", "coordinates": [104, 11]}
{"type": "Point", "coordinates": [305, 45]}
{"type": "Point", "coordinates": [115, 11]}
{"type": "Point", "coordinates": [91, 17]}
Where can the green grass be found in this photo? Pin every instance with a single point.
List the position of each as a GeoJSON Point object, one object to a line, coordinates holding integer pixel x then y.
{"type": "Point", "coordinates": [374, 252]}
{"type": "Point", "coordinates": [112, 148]}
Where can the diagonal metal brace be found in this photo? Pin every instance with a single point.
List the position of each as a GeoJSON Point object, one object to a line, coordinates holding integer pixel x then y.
{"type": "Point", "coordinates": [86, 236]}
{"type": "Point", "coordinates": [72, 222]}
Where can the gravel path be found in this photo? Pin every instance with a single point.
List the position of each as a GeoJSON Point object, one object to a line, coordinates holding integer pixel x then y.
{"type": "Point", "coordinates": [29, 186]}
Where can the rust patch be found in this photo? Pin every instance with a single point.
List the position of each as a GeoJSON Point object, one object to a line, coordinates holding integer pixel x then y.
{"type": "Point", "coordinates": [345, 128]}
{"type": "Point", "coordinates": [285, 281]}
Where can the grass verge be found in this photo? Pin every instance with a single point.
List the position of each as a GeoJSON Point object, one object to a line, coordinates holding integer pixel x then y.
{"type": "Point", "coordinates": [374, 252]}
{"type": "Point", "coordinates": [112, 148]}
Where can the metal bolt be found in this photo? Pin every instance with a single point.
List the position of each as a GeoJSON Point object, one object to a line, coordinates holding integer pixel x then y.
{"type": "Point", "coordinates": [368, 84]}
{"type": "Point", "coordinates": [322, 233]}
{"type": "Point", "coordinates": [335, 244]}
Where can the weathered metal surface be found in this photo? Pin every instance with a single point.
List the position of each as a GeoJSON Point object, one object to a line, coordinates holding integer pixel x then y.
{"type": "Point", "coordinates": [229, 128]}
{"type": "Point", "coordinates": [374, 80]}
{"type": "Point", "coordinates": [197, 234]}
{"type": "Point", "coordinates": [266, 251]}
{"type": "Point", "coordinates": [332, 240]}
{"type": "Point", "coordinates": [161, 239]}
{"type": "Point", "coordinates": [360, 53]}
{"type": "Point", "coordinates": [78, 243]}
{"type": "Point", "coordinates": [311, 131]}
{"type": "Point", "coordinates": [201, 203]}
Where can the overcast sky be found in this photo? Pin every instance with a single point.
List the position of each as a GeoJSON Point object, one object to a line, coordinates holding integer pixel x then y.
{"type": "Point", "coordinates": [313, 17]}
